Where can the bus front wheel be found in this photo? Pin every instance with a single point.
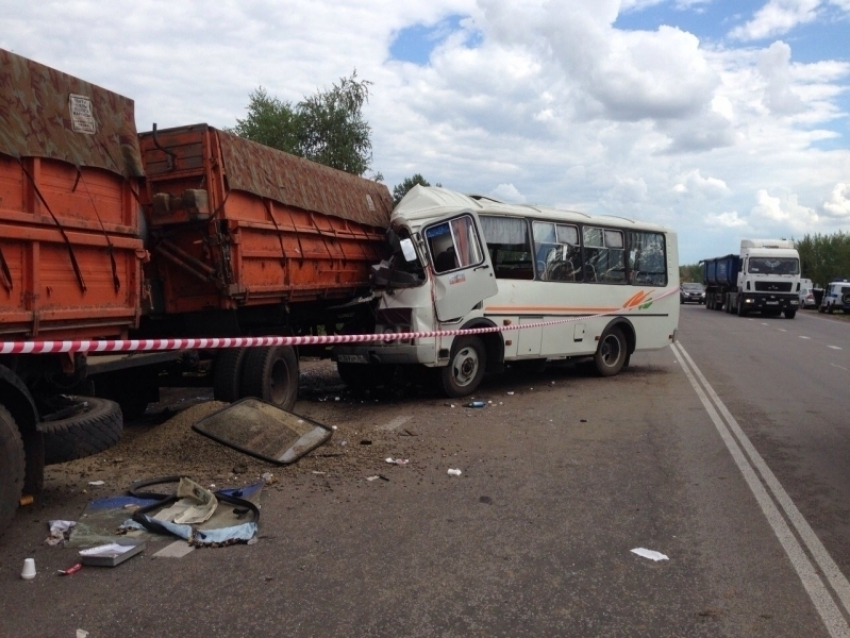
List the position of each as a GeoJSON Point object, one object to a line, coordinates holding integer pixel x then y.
{"type": "Point", "coordinates": [611, 353]}
{"type": "Point", "coordinates": [466, 367]}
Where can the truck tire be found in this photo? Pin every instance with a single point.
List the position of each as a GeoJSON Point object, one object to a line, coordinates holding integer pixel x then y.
{"type": "Point", "coordinates": [790, 313]}
{"type": "Point", "coordinates": [610, 353]}
{"type": "Point", "coordinates": [227, 376]}
{"type": "Point", "coordinates": [742, 312]}
{"type": "Point", "coordinates": [11, 467]}
{"type": "Point", "coordinates": [96, 428]}
{"type": "Point", "coordinates": [466, 367]}
{"type": "Point", "coordinates": [270, 373]}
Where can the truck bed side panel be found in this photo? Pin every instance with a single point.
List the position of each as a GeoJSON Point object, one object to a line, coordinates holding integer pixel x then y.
{"type": "Point", "coordinates": [70, 250]}
{"type": "Point", "coordinates": [235, 224]}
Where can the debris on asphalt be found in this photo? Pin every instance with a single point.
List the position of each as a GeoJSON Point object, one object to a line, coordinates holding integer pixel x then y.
{"type": "Point", "coordinates": [60, 531]}
{"type": "Point", "coordinates": [510, 394]}
{"type": "Point", "coordinates": [399, 462]}
{"type": "Point", "coordinates": [375, 477]}
{"type": "Point", "coordinates": [269, 478]}
{"type": "Point", "coordinates": [650, 554]}
{"type": "Point", "coordinates": [97, 483]}
{"type": "Point", "coordinates": [73, 569]}
{"type": "Point", "coordinates": [264, 431]}
{"type": "Point", "coordinates": [476, 404]}
{"type": "Point", "coordinates": [28, 571]}
{"type": "Point", "coordinates": [453, 472]}
{"type": "Point", "coordinates": [26, 499]}
{"type": "Point", "coordinates": [111, 554]}
{"type": "Point", "coordinates": [177, 549]}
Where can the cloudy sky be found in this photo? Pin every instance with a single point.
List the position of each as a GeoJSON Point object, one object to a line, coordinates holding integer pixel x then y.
{"type": "Point", "coordinates": [723, 119]}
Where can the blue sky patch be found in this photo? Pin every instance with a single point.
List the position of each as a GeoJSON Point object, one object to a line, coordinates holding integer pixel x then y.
{"type": "Point", "coordinates": [415, 43]}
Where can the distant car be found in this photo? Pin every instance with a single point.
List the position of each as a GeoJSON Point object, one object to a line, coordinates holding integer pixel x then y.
{"type": "Point", "coordinates": [691, 293]}
{"type": "Point", "coordinates": [807, 297]}
{"type": "Point", "coordinates": [836, 297]}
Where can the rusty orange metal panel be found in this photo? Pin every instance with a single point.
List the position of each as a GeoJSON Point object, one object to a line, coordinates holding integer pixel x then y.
{"type": "Point", "coordinates": [70, 247]}
{"type": "Point", "coordinates": [236, 224]}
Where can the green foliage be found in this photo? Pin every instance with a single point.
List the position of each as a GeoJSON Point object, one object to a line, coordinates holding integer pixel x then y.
{"type": "Point", "coordinates": [327, 127]}
{"type": "Point", "coordinates": [333, 131]}
{"type": "Point", "coordinates": [270, 122]}
{"type": "Point", "coordinates": [400, 190]}
{"type": "Point", "coordinates": [825, 257]}
{"type": "Point", "coordinates": [690, 273]}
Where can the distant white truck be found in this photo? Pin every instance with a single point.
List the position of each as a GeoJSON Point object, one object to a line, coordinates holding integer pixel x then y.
{"type": "Point", "coordinates": [764, 277]}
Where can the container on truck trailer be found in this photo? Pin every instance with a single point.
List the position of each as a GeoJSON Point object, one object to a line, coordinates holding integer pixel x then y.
{"type": "Point", "coordinates": [764, 276]}
{"type": "Point", "coordinates": [71, 260]}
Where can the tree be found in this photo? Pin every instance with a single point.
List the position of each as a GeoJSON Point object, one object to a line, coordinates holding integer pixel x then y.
{"type": "Point", "coordinates": [333, 131]}
{"type": "Point", "coordinates": [400, 190]}
{"type": "Point", "coordinates": [690, 272]}
{"type": "Point", "coordinates": [270, 122]}
{"type": "Point", "coordinates": [825, 257]}
{"type": "Point", "coordinates": [327, 127]}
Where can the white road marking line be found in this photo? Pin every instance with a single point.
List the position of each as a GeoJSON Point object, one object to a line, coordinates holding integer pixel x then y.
{"type": "Point", "coordinates": [394, 424]}
{"type": "Point", "coordinates": [834, 347]}
{"type": "Point", "coordinates": [834, 365]}
{"type": "Point", "coordinates": [763, 323]}
{"type": "Point", "coordinates": [802, 337]}
{"type": "Point", "coordinates": [812, 582]}
{"type": "Point", "coordinates": [782, 330]}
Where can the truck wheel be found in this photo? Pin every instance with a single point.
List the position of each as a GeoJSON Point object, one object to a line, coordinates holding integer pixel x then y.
{"type": "Point", "coordinates": [95, 427]}
{"type": "Point", "coordinates": [270, 373]}
{"type": "Point", "coordinates": [227, 376]}
{"type": "Point", "coordinates": [466, 367]}
{"type": "Point", "coordinates": [361, 377]}
{"type": "Point", "coordinates": [741, 310]}
{"type": "Point", "coordinates": [11, 467]}
{"type": "Point", "coordinates": [790, 313]}
{"type": "Point", "coordinates": [610, 353]}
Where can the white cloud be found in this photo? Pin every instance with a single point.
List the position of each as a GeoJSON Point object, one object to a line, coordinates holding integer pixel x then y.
{"type": "Point", "coordinates": [728, 219]}
{"type": "Point", "coordinates": [526, 101]}
{"type": "Point", "coordinates": [693, 183]}
{"type": "Point", "coordinates": [778, 95]}
{"type": "Point", "coordinates": [508, 193]}
{"type": "Point", "coordinates": [782, 211]}
{"type": "Point", "coordinates": [838, 205]}
{"type": "Point", "coordinates": [777, 17]}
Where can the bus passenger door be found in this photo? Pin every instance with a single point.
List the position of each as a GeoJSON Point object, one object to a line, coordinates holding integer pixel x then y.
{"type": "Point", "coordinates": [463, 274]}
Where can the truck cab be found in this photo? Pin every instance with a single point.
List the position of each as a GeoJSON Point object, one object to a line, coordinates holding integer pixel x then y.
{"type": "Point", "coordinates": [769, 277]}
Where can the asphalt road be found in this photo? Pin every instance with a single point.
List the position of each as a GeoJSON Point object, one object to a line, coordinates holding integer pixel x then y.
{"type": "Point", "coordinates": [726, 453]}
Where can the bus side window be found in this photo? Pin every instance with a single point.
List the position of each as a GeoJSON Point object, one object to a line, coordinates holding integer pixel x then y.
{"type": "Point", "coordinates": [647, 259]}
{"type": "Point", "coordinates": [507, 240]}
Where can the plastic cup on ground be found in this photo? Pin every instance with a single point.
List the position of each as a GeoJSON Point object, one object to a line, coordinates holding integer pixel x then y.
{"type": "Point", "coordinates": [28, 572]}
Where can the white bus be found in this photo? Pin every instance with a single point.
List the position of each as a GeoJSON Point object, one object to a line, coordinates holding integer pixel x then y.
{"type": "Point", "coordinates": [608, 285]}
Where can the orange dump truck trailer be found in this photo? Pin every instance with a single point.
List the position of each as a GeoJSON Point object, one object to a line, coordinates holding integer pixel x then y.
{"type": "Point", "coordinates": [186, 232]}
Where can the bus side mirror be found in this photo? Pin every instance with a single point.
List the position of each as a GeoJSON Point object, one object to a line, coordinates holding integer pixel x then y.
{"type": "Point", "coordinates": [408, 250]}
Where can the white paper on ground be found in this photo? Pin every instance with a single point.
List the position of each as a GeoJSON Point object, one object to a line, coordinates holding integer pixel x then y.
{"type": "Point", "coordinates": [650, 554]}
{"type": "Point", "coordinates": [110, 549]}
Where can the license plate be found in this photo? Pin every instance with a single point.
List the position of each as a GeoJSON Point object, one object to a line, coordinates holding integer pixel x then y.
{"type": "Point", "coordinates": [771, 303]}
{"type": "Point", "coordinates": [352, 358]}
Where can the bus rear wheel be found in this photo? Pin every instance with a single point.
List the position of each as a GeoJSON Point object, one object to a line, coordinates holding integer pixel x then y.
{"type": "Point", "coordinates": [466, 367]}
{"type": "Point", "coordinates": [611, 353]}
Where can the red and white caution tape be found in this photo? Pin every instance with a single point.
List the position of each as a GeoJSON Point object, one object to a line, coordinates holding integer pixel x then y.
{"type": "Point", "coordinates": [150, 345]}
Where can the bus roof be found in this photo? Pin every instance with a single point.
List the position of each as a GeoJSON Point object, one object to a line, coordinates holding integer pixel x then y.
{"type": "Point", "coordinates": [423, 203]}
